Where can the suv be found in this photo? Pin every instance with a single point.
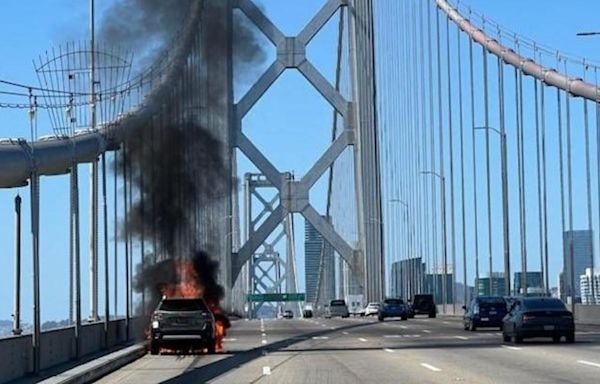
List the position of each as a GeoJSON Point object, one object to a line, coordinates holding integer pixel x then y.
{"type": "Point", "coordinates": [337, 308]}
{"type": "Point", "coordinates": [424, 305]}
{"type": "Point", "coordinates": [392, 308]}
{"type": "Point", "coordinates": [182, 323]}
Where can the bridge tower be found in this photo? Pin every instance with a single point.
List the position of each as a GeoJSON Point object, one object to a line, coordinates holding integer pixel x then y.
{"type": "Point", "coordinates": [365, 258]}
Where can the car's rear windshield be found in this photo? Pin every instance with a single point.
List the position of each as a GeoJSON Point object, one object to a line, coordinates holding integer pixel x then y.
{"type": "Point", "coordinates": [423, 299]}
{"type": "Point", "coordinates": [393, 301]}
{"type": "Point", "coordinates": [491, 301]}
{"type": "Point", "coordinates": [543, 304]}
{"type": "Point", "coordinates": [337, 302]}
{"type": "Point", "coordinates": [185, 305]}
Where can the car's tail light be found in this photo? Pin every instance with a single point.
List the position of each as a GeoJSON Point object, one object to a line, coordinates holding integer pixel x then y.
{"type": "Point", "coordinates": [157, 316]}
{"type": "Point", "coordinates": [528, 317]}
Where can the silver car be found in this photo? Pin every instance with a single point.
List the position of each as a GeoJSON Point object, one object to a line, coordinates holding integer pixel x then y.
{"type": "Point", "coordinates": [337, 308]}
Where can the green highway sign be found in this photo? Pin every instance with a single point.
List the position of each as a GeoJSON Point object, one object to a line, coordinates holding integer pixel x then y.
{"type": "Point", "coordinates": [264, 297]}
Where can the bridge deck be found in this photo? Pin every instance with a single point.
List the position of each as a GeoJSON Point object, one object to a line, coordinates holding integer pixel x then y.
{"type": "Point", "coordinates": [365, 351]}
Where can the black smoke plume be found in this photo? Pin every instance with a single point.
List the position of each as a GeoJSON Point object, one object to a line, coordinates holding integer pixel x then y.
{"type": "Point", "coordinates": [176, 165]}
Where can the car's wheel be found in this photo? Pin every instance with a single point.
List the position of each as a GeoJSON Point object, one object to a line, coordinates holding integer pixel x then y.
{"type": "Point", "coordinates": [404, 318]}
{"type": "Point", "coordinates": [154, 348]}
{"type": "Point", "coordinates": [465, 326]}
{"type": "Point", "coordinates": [517, 339]}
{"type": "Point", "coordinates": [211, 347]}
{"type": "Point", "coordinates": [556, 338]}
{"type": "Point", "coordinates": [505, 338]}
{"type": "Point", "coordinates": [380, 318]}
{"type": "Point", "coordinates": [571, 338]}
{"type": "Point", "coordinates": [472, 327]}
{"type": "Point", "coordinates": [432, 315]}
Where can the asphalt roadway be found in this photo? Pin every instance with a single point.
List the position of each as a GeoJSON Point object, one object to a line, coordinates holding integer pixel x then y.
{"type": "Point", "coordinates": [419, 350]}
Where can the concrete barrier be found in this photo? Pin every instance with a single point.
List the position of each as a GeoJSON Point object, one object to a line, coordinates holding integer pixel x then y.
{"type": "Point", "coordinates": [58, 346]}
{"type": "Point", "coordinates": [587, 314]}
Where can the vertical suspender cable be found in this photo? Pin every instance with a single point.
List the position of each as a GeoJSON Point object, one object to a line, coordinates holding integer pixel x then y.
{"type": "Point", "coordinates": [562, 185]}
{"type": "Point", "coordinates": [522, 187]}
{"type": "Point", "coordinates": [475, 215]}
{"type": "Point", "coordinates": [126, 237]}
{"type": "Point", "coordinates": [462, 170]}
{"type": "Point", "coordinates": [441, 174]}
{"type": "Point", "coordinates": [504, 171]}
{"type": "Point", "coordinates": [588, 184]}
{"type": "Point", "coordinates": [487, 164]}
{"type": "Point", "coordinates": [106, 266]}
{"type": "Point", "coordinates": [116, 232]}
{"type": "Point", "coordinates": [573, 288]}
{"type": "Point", "coordinates": [544, 184]}
{"type": "Point", "coordinates": [451, 155]}
{"type": "Point", "coordinates": [433, 272]}
{"type": "Point", "coordinates": [539, 179]}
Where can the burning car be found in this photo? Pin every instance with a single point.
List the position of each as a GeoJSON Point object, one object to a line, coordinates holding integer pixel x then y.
{"type": "Point", "coordinates": [181, 323]}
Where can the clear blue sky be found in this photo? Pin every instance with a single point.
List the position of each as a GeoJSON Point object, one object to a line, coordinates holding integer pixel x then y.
{"type": "Point", "coordinates": [303, 125]}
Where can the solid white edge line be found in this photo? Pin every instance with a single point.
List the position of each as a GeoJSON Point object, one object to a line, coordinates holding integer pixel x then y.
{"type": "Point", "coordinates": [430, 367]}
{"type": "Point", "coordinates": [362, 339]}
{"type": "Point", "coordinates": [426, 331]}
{"type": "Point", "coordinates": [461, 337]}
{"type": "Point", "coordinates": [589, 363]}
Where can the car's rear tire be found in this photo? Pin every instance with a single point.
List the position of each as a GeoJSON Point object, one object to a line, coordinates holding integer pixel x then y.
{"type": "Point", "coordinates": [571, 338]}
{"type": "Point", "coordinates": [472, 327]}
{"type": "Point", "coordinates": [556, 338]}
{"type": "Point", "coordinates": [517, 339]}
{"type": "Point", "coordinates": [211, 347]}
{"type": "Point", "coordinates": [505, 338]}
{"type": "Point", "coordinates": [154, 348]}
{"type": "Point", "coordinates": [432, 315]}
{"type": "Point", "coordinates": [380, 318]}
{"type": "Point", "coordinates": [404, 318]}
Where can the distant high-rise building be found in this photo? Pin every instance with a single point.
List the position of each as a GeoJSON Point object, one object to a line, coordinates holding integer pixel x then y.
{"type": "Point", "coordinates": [482, 285]}
{"type": "Point", "coordinates": [590, 287]}
{"type": "Point", "coordinates": [583, 251]}
{"type": "Point", "coordinates": [534, 282]}
{"type": "Point", "coordinates": [407, 277]}
{"type": "Point", "coordinates": [313, 246]}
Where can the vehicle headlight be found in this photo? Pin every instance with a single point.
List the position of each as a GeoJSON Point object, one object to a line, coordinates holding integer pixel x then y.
{"type": "Point", "coordinates": [155, 324]}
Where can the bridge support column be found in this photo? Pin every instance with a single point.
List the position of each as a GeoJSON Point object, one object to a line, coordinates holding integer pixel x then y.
{"type": "Point", "coordinates": [366, 152]}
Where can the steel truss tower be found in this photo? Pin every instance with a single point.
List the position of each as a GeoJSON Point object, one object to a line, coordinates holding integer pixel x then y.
{"type": "Point", "coordinates": [269, 271]}
{"type": "Point", "coordinates": [360, 132]}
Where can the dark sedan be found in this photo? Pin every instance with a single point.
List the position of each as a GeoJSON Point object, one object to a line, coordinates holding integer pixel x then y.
{"type": "Point", "coordinates": [392, 308]}
{"type": "Point", "coordinates": [484, 311]}
{"type": "Point", "coordinates": [538, 317]}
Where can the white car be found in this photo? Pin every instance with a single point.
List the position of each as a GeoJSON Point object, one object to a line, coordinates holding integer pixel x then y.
{"type": "Point", "coordinates": [372, 309]}
{"type": "Point", "coordinates": [337, 308]}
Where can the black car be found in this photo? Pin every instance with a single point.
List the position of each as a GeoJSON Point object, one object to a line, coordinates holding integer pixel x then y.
{"type": "Point", "coordinates": [287, 314]}
{"type": "Point", "coordinates": [182, 324]}
{"type": "Point", "coordinates": [424, 305]}
{"type": "Point", "coordinates": [485, 311]}
{"type": "Point", "coordinates": [538, 317]}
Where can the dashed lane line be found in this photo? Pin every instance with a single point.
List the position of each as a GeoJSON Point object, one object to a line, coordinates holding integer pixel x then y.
{"type": "Point", "coordinates": [362, 339]}
{"type": "Point", "coordinates": [430, 367]}
{"type": "Point", "coordinates": [511, 347]}
{"type": "Point", "coordinates": [588, 363]}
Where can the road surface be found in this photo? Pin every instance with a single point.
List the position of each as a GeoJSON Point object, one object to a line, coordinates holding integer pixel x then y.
{"type": "Point", "coordinates": [419, 350]}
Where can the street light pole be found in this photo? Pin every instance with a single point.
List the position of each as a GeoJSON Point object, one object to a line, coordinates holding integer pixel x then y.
{"type": "Point", "coordinates": [444, 238]}
{"type": "Point", "coordinates": [505, 218]}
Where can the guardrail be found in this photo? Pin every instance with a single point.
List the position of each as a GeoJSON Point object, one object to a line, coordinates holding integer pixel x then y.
{"type": "Point", "coordinates": [58, 346]}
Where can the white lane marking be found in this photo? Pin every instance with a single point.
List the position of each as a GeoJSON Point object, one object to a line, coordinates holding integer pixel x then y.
{"type": "Point", "coordinates": [403, 327]}
{"type": "Point", "coordinates": [426, 331]}
{"type": "Point", "coordinates": [461, 337]}
{"type": "Point", "coordinates": [263, 334]}
{"type": "Point", "coordinates": [320, 337]}
{"type": "Point", "coordinates": [511, 347]}
{"type": "Point", "coordinates": [589, 363]}
{"type": "Point", "coordinates": [498, 333]}
{"type": "Point", "coordinates": [331, 327]}
{"type": "Point", "coordinates": [345, 333]}
{"type": "Point", "coordinates": [388, 350]}
{"type": "Point", "coordinates": [266, 371]}
{"type": "Point", "coordinates": [323, 325]}
{"type": "Point", "coordinates": [445, 322]}
{"type": "Point", "coordinates": [264, 341]}
{"type": "Point", "coordinates": [227, 339]}
{"type": "Point", "coordinates": [363, 340]}
{"type": "Point", "coordinates": [413, 336]}
{"type": "Point", "coordinates": [392, 336]}
{"type": "Point", "coordinates": [430, 367]}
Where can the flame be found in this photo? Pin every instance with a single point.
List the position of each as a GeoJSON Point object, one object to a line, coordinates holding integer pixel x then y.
{"type": "Point", "coordinates": [189, 286]}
